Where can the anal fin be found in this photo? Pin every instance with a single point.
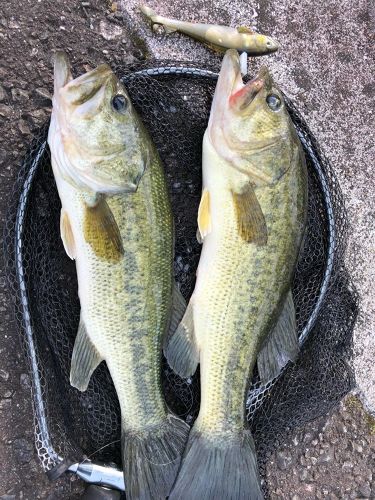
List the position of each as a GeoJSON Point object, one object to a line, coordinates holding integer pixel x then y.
{"type": "Point", "coordinates": [178, 309]}
{"type": "Point", "coordinates": [180, 348]}
{"type": "Point", "coordinates": [282, 344]}
{"type": "Point", "coordinates": [169, 29]}
{"type": "Point", "coordinates": [199, 237]}
{"type": "Point", "coordinates": [85, 359]}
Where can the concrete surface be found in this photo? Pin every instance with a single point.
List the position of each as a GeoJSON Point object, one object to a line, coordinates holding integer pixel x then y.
{"type": "Point", "coordinates": [325, 64]}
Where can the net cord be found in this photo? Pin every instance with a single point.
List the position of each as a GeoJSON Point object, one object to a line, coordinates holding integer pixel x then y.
{"type": "Point", "coordinates": [39, 406]}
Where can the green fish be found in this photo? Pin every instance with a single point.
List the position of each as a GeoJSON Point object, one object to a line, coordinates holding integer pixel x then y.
{"type": "Point", "coordinates": [218, 37]}
{"type": "Point", "coordinates": [116, 222]}
{"type": "Point", "coordinates": [251, 220]}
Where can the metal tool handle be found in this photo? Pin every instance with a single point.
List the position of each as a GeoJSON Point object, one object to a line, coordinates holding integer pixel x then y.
{"type": "Point", "coordinates": [99, 474]}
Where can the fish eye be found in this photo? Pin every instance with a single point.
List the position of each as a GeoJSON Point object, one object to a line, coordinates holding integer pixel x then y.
{"type": "Point", "coordinates": [269, 44]}
{"type": "Point", "coordinates": [274, 102]}
{"type": "Point", "coordinates": [119, 103]}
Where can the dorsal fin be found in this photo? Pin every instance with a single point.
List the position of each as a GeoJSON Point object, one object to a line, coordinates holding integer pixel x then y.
{"type": "Point", "coordinates": [245, 29]}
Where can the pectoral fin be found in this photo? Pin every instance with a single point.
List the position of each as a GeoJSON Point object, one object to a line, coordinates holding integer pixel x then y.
{"type": "Point", "coordinates": [204, 215]}
{"type": "Point", "coordinates": [282, 344]}
{"type": "Point", "coordinates": [101, 231]}
{"type": "Point", "coordinates": [181, 350]}
{"type": "Point", "coordinates": [85, 359]}
{"type": "Point", "coordinates": [67, 235]}
{"type": "Point", "coordinates": [251, 223]}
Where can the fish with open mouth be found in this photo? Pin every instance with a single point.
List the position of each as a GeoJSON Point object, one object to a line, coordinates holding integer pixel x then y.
{"type": "Point", "coordinates": [251, 220]}
{"type": "Point", "coordinates": [116, 222]}
{"type": "Point", "coordinates": [218, 37]}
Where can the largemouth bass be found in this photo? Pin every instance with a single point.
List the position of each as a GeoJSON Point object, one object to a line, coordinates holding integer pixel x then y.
{"type": "Point", "coordinates": [116, 222]}
{"type": "Point", "coordinates": [251, 219]}
{"type": "Point", "coordinates": [217, 37]}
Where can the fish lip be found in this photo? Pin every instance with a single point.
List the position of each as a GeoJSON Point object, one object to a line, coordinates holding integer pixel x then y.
{"type": "Point", "coordinates": [272, 45]}
{"type": "Point", "coordinates": [86, 86]}
{"type": "Point", "coordinates": [100, 73]}
{"type": "Point", "coordinates": [262, 80]}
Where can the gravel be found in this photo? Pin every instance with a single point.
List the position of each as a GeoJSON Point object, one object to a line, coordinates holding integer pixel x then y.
{"type": "Point", "coordinates": [23, 450]}
{"type": "Point", "coordinates": [4, 375]}
{"type": "Point", "coordinates": [332, 457]}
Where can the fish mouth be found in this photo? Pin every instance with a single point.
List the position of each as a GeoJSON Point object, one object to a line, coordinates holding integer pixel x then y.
{"type": "Point", "coordinates": [84, 88]}
{"type": "Point", "coordinates": [231, 92]}
{"type": "Point", "coordinates": [272, 45]}
{"type": "Point", "coordinates": [98, 75]}
{"type": "Point", "coordinates": [234, 97]}
{"type": "Point", "coordinates": [81, 89]}
{"type": "Point", "coordinates": [237, 93]}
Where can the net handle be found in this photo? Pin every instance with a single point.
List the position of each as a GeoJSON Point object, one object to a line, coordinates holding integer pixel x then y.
{"type": "Point", "coordinates": [40, 411]}
{"type": "Point", "coordinates": [39, 407]}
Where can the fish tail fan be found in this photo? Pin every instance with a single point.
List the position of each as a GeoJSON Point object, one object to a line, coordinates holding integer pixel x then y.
{"type": "Point", "coordinates": [168, 24]}
{"type": "Point", "coordinates": [218, 467]}
{"type": "Point", "coordinates": [151, 458]}
{"type": "Point", "coordinates": [147, 11]}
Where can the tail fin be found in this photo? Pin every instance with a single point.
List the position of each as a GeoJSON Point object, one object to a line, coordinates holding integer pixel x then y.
{"type": "Point", "coordinates": [212, 469]}
{"type": "Point", "coordinates": [147, 11]}
{"type": "Point", "coordinates": [151, 459]}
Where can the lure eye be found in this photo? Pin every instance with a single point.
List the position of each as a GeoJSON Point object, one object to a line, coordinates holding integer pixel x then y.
{"type": "Point", "coordinates": [119, 103]}
{"type": "Point", "coordinates": [274, 102]}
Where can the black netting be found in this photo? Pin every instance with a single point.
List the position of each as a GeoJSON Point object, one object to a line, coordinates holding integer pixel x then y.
{"type": "Point", "coordinates": [70, 424]}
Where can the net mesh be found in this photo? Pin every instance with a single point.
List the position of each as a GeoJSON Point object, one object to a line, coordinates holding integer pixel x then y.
{"type": "Point", "coordinates": [174, 105]}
